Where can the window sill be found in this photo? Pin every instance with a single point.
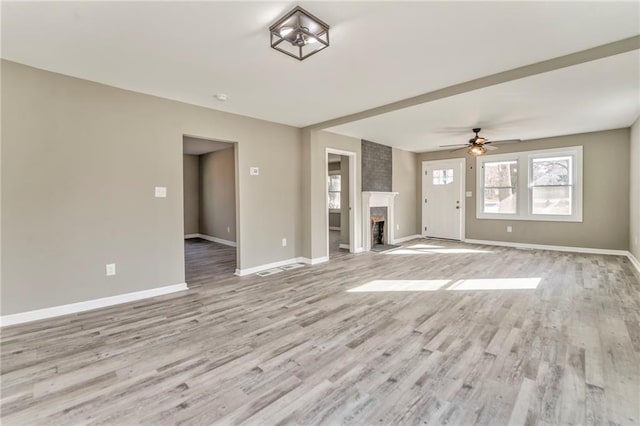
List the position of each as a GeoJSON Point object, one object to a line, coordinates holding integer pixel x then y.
{"type": "Point", "coordinates": [531, 218]}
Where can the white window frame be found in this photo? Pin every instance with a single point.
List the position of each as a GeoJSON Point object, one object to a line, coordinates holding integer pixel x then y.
{"type": "Point", "coordinates": [335, 172]}
{"type": "Point", "coordinates": [524, 188]}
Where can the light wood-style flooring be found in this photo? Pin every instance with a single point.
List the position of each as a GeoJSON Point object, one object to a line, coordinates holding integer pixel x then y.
{"type": "Point", "coordinates": [548, 338]}
{"type": "Point", "coordinates": [207, 262]}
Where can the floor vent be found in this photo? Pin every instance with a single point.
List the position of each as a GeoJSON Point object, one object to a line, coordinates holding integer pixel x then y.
{"type": "Point", "coordinates": [292, 266]}
{"type": "Point", "coordinates": [268, 272]}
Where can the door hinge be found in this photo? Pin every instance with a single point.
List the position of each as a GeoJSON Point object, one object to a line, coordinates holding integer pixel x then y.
{"type": "Point", "coordinates": [425, 200]}
{"type": "Point", "coordinates": [425, 228]}
{"type": "Point", "coordinates": [426, 172]}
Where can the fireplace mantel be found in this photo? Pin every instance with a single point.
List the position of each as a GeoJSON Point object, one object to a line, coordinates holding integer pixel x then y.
{"type": "Point", "coordinates": [377, 199]}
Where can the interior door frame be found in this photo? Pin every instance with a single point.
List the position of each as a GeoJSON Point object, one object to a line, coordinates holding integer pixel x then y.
{"type": "Point", "coordinates": [352, 195]}
{"type": "Point", "coordinates": [236, 171]}
{"type": "Point", "coordinates": [461, 166]}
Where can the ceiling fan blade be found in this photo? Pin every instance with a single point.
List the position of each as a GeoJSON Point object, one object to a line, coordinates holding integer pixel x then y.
{"type": "Point", "coordinates": [504, 141]}
{"type": "Point", "coordinates": [490, 148]}
{"type": "Point", "coordinates": [455, 144]}
{"type": "Point", "coordinates": [459, 149]}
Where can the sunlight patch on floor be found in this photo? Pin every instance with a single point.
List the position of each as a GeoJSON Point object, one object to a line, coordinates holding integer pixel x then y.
{"type": "Point", "coordinates": [400, 285]}
{"type": "Point", "coordinates": [459, 251]}
{"type": "Point", "coordinates": [423, 246]}
{"type": "Point", "coordinates": [459, 285]}
{"type": "Point", "coordinates": [496, 284]}
{"type": "Point", "coordinates": [408, 251]}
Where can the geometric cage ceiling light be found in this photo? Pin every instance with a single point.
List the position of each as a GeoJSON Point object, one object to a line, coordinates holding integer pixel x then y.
{"type": "Point", "coordinates": [299, 34]}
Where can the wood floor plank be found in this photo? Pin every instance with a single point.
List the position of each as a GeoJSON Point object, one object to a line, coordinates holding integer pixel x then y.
{"type": "Point", "coordinates": [303, 347]}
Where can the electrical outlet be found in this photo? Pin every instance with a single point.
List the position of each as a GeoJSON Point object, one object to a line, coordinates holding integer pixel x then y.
{"type": "Point", "coordinates": [111, 269]}
{"type": "Point", "coordinates": [254, 171]}
{"type": "Point", "coordinates": [228, 229]}
{"type": "Point", "coordinates": [397, 226]}
{"type": "Point", "coordinates": [469, 194]}
{"type": "Point", "coordinates": [509, 229]}
{"type": "Point", "coordinates": [284, 242]}
{"type": "Point", "coordinates": [161, 192]}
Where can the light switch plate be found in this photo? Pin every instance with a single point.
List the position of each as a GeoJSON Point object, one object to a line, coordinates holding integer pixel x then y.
{"type": "Point", "coordinates": [111, 269]}
{"type": "Point", "coordinates": [469, 194]}
{"type": "Point", "coordinates": [161, 192]}
{"type": "Point", "coordinates": [254, 171]}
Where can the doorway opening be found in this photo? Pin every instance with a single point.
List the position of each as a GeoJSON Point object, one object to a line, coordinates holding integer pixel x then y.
{"type": "Point", "coordinates": [443, 191]}
{"type": "Point", "coordinates": [341, 179]}
{"type": "Point", "coordinates": [209, 206]}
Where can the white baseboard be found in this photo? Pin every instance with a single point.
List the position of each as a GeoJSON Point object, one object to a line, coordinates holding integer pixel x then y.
{"type": "Point", "coordinates": [213, 239]}
{"type": "Point", "coordinates": [315, 260]}
{"type": "Point", "coordinates": [634, 261]}
{"type": "Point", "coordinates": [407, 238]}
{"type": "Point", "coordinates": [358, 250]}
{"type": "Point", "coordinates": [345, 246]}
{"type": "Point", "coordinates": [334, 228]}
{"type": "Point", "coordinates": [260, 268]}
{"type": "Point", "coordinates": [253, 270]}
{"type": "Point", "coordinates": [88, 305]}
{"type": "Point", "coordinates": [548, 247]}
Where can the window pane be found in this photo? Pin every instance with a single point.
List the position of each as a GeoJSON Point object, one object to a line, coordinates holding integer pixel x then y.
{"type": "Point", "coordinates": [442, 177]}
{"type": "Point", "coordinates": [500, 174]}
{"type": "Point", "coordinates": [551, 171]}
{"type": "Point", "coordinates": [551, 200]}
{"type": "Point", "coordinates": [334, 200]}
{"type": "Point", "coordinates": [500, 200]}
{"type": "Point", "coordinates": [334, 183]}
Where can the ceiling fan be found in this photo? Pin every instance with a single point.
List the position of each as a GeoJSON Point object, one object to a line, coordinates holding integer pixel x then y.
{"type": "Point", "coordinates": [477, 145]}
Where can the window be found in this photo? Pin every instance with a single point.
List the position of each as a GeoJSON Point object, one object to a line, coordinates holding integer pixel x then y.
{"type": "Point", "coordinates": [500, 187]}
{"type": "Point", "coordinates": [443, 176]}
{"type": "Point", "coordinates": [551, 185]}
{"type": "Point", "coordinates": [534, 185]}
{"type": "Point", "coordinates": [334, 192]}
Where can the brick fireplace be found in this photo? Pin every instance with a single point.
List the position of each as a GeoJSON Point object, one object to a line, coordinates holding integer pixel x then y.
{"type": "Point", "coordinates": [377, 210]}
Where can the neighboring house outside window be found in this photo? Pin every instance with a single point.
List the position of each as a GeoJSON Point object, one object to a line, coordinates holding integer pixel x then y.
{"type": "Point", "coordinates": [531, 185]}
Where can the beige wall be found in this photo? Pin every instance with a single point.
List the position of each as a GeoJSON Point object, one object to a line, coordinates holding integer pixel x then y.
{"type": "Point", "coordinates": [79, 165]}
{"type": "Point", "coordinates": [606, 195]}
{"type": "Point", "coordinates": [634, 191]}
{"type": "Point", "coordinates": [404, 183]}
{"type": "Point", "coordinates": [218, 194]}
{"type": "Point", "coordinates": [314, 218]}
{"type": "Point", "coordinates": [191, 193]}
{"type": "Point", "coordinates": [334, 220]}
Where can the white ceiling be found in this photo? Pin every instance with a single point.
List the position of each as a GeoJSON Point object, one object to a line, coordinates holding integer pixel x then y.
{"type": "Point", "coordinates": [597, 95]}
{"type": "Point", "coordinates": [380, 51]}
{"type": "Point", "coordinates": [197, 146]}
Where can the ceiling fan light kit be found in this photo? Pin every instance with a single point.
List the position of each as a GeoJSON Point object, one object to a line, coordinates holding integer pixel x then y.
{"type": "Point", "coordinates": [477, 149]}
{"type": "Point", "coordinates": [478, 145]}
{"type": "Point", "coordinates": [299, 34]}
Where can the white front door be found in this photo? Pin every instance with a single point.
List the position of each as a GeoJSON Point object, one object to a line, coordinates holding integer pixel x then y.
{"type": "Point", "coordinates": [442, 198]}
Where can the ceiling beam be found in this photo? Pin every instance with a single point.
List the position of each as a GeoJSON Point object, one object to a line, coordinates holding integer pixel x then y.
{"type": "Point", "coordinates": [595, 53]}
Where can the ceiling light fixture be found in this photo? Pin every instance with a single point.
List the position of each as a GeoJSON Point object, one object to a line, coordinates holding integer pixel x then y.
{"type": "Point", "coordinates": [477, 149]}
{"type": "Point", "coordinates": [299, 34]}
